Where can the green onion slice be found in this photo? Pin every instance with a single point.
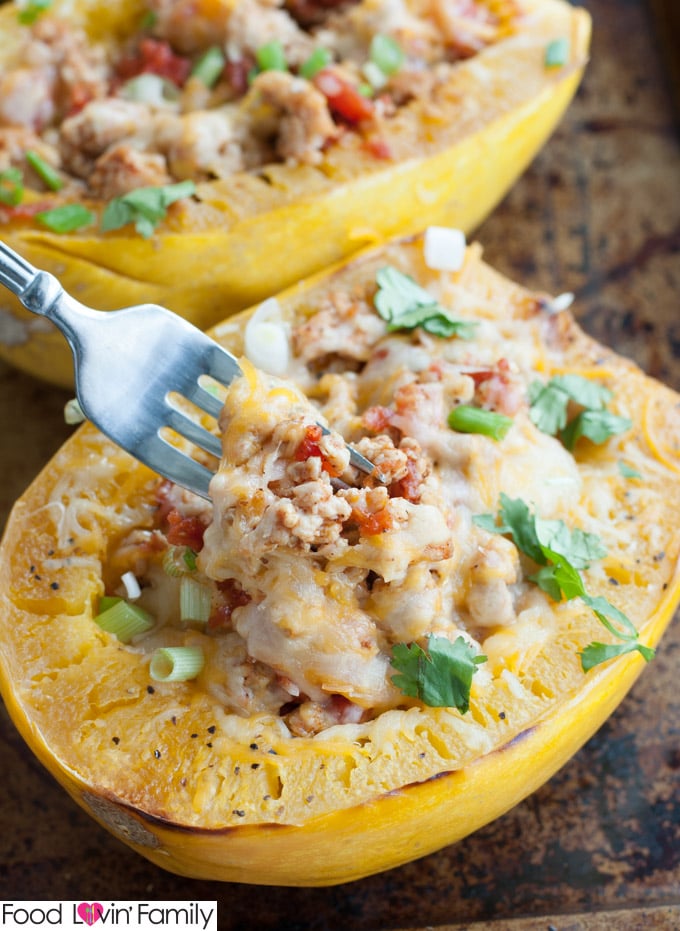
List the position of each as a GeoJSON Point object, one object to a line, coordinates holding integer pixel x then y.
{"type": "Point", "coordinates": [317, 61]}
{"type": "Point", "coordinates": [468, 419]}
{"type": "Point", "coordinates": [271, 57]}
{"type": "Point", "coordinates": [176, 664]}
{"type": "Point", "coordinates": [44, 171]}
{"type": "Point", "coordinates": [195, 600]}
{"type": "Point", "coordinates": [67, 218]}
{"type": "Point", "coordinates": [557, 53]}
{"type": "Point", "coordinates": [387, 54]}
{"type": "Point", "coordinates": [11, 187]}
{"type": "Point", "coordinates": [30, 11]}
{"type": "Point", "coordinates": [209, 66]}
{"type": "Point", "coordinates": [124, 620]}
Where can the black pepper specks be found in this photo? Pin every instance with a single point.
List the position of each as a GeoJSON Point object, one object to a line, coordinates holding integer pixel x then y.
{"type": "Point", "coordinates": [116, 740]}
{"type": "Point", "coordinates": [157, 754]}
{"type": "Point", "coordinates": [212, 729]}
{"type": "Point", "coordinates": [54, 586]}
{"type": "Point", "coordinates": [239, 812]}
{"type": "Point", "coordinates": [150, 689]}
{"type": "Point", "coordinates": [501, 715]}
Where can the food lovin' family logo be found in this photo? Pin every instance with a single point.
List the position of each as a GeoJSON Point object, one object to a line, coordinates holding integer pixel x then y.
{"type": "Point", "coordinates": [136, 916]}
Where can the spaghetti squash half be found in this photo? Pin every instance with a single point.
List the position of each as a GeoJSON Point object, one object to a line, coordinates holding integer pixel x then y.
{"type": "Point", "coordinates": [204, 155]}
{"type": "Point", "coordinates": [319, 674]}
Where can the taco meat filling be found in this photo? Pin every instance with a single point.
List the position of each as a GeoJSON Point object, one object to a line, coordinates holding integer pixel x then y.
{"type": "Point", "coordinates": [203, 91]}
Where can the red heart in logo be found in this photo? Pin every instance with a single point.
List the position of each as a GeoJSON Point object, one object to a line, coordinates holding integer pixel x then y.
{"type": "Point", "coordinates": [90, 912]}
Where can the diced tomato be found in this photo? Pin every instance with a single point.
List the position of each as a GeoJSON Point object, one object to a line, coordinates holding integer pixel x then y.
{"type": "Point", "coordinates": [236, 74]}
{"type": "Point", "coordinates": [155, 57]}
{"type": "Point", "coordinates": [378, 148]}
{"type": "Point", "coordinates": [79, 95]}
{"type": "Point", "coordinates": [23, 211]}
{"type": "Point", "coordinates": [185, 531]}
{"type": "Point", "coordinates": [377, 418]}
{"type": "Point", "coordinates": [232, 596]}
{"type": "Point", "coordinates": [409, 486]}
{"type": "Point", "coordinates": [344, 100]}
{"type": "Point", "coordinates": [309, 448]}
{"type": "Point", "coordinates": [371, 524]}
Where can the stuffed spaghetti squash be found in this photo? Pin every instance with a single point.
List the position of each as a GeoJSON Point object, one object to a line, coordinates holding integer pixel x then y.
{"type": "Point", "coordinates": [204, 155]}
{"type": "Point", "coordinates": [320, 674]}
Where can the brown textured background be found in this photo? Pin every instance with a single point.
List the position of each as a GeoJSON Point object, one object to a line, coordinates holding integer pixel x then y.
{"type": "Point", "coordinates": [598, 847]}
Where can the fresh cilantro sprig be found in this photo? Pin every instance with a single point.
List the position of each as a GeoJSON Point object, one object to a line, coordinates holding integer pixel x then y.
{"type": "Point", "coordinates": [405, 305]}
{"type": "Point", "coordinates": [441, 675]}
{"type": "Point", "coordinates": [145, 207]}
{"type": "Point", "coordinates": [560, 554]}
{"type": "Point", "coordinates": [549, 405]}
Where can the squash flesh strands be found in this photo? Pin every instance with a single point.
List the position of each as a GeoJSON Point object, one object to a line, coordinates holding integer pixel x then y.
{"type": "Point", "coordinates": [245, 237]}
{"type": "Point", "coordinates": [207, 792]}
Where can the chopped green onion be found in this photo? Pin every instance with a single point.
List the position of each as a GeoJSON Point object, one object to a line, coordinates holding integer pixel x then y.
{"type": "Point", "coordinates": [176, 664]}
{"type": "Point", "coordinates": [108, 601]}
{"type": "Point", "coordinates": [557, 53]}
{"type": "Point", "coordinates": [387, 54]}
{"type": "Point", "coordinates": [195, 600]}
{"type": "Point", "coordinates": [149, 20]}
{"type": "Point", "coordinates": [365, 89]}
{"type": "Point", "coordinates": [468, 419]}
{"type": "Point", "coordinates": [11, 187]}
{"type": "Point", "coordinates": [124, 620]}
{"type": "Point", "coordinates": [44, 171]}
{"type": "Point", "coordinates": [30, 11]}
{"type": "Point", "coordinates": [316, 62]}
{"type": "Point", "coordinates": [271, 57]}
{"type": "Point", "coordinates": [178, 561]}
{"type": "Point", "coordinates": [209, 66]}
{"type": "Point", "coordinates": [190, 559]}
{"type": "Point", "coordinates": [66, 219]}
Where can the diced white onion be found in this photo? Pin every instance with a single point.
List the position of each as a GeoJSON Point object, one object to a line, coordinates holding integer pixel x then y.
{"type": "Point", "coordinates": [444, 248]}
{"type": "Point", "coordinates": [561, 302]}
{"type": "Point", "coordinates": [149, 88]}
{"type": "Point", "coordinates": [73, 412]}
{"type": "Point", "coordinates": [266, 339]}
{"type": "Point", "coordinates": [375, 76]}
{"type": "Point", "coordinates": [131, 586]}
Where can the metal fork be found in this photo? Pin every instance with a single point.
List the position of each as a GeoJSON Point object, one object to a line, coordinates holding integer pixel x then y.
{"type": "Point", "coordinates": [131, 365]}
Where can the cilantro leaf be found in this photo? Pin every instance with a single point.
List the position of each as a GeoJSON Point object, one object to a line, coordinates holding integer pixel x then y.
{"type": "Point", "coordinates": [549, 410]}
{"type": "Point", "coordinates": [67, 218]}
{"type": "Point", "coordinates": [145, 207]}
{"type": "Point", "coordinates": [583, 391]}
{"type": "Point", "coordinates": [628, 471]}
{"type": "Point", "coordinates": [577, 546]}
{"type": "Point", "coordinates": [561, 553]}
{"type": "Point", "coordinates": [597, 426]}
{"type": "Point", "coordinates": [404, 305]}
{"type": "Point", "coordinates": [548, 407]}
{"type": "Point", "coordinates": [440, 677]}
{"type": "Point", "coordinates": [596, 653]}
